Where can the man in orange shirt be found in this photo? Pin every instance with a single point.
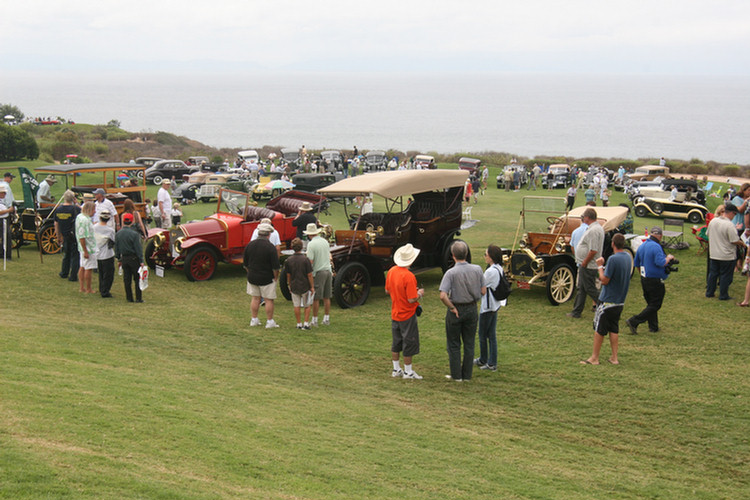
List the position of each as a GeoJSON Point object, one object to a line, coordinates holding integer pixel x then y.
{"type": "Point", "coordinates": [401, 285]}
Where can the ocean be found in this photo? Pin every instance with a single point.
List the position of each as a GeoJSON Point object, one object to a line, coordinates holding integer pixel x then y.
{"type": "Point", "coordinates": [583, 116]}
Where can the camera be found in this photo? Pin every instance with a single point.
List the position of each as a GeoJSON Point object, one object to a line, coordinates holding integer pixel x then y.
{"type": "Point", "coordinates": [672, 266]}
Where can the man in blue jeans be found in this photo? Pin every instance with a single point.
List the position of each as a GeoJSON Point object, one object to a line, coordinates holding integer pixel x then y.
{"type": "Point", "coordinates": [462, 286]}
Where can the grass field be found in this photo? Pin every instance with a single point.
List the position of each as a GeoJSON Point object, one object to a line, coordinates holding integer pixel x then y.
{"type": "Point", "coordinates": [178, 398]}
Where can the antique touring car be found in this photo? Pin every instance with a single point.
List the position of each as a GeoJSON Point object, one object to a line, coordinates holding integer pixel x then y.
{"type": "Point", "coordinates": [120, 181]}
{"type": "Point", "coordinates": [545, 258]}
{"type": "Point", "coordinates": [430, 221]}
{"type": "Point", "coordinates": [199, 245]}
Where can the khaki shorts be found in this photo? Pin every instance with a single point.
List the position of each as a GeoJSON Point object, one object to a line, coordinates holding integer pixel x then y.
{"type": "Point", "coordinates": [304, 300]}
{"type": "Point", "coordinates": [266, 291]}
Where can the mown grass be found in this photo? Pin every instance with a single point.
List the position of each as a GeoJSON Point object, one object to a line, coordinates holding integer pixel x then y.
{"type": "Point", "coordinates": [179, 398]}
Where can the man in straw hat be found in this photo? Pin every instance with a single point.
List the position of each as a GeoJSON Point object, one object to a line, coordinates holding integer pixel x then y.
{"type": "Point", "coordinates": [43, 192]}
{"type": "Point", "coordinates": [303, 218]}
{"type": "Point", "coordinates": [319, 253]}
{"type": "Point", "coordinates": [165, 203]}
{"type": "Point", "coordinates": [261, 261]}
{"type": "Point", "coordinates": [401, 285]}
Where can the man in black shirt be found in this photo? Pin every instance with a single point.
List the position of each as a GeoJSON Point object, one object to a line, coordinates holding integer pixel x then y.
{"type": "Point", "coordinates": [65, 220]}
{"type": "Point", "coordinates": [129, 252]}
{"type": "Point", "coordinates": [304, 217]}
{"type": "Point", "coordinates": [261, 261]}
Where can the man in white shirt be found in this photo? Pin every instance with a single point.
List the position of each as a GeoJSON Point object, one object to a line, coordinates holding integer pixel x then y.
{"type": "Point", "coordinates": [165, 204]}
{"type": "Point", "coordinates": [43, 193]}
{"type": "Point", "coordinates": [273, 237]}
{"type": "Point", "coordinates": [102, 203]}
{"type": "Point", "coordinates": [9, 198]}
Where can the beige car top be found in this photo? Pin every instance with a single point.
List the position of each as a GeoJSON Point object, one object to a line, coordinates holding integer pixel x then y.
{"type": "Point", "coordinates": [397, 183]}
{"type": "Point", "coordinates": [608, 217]}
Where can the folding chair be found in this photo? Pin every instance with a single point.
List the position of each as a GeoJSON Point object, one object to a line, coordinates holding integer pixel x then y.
{"type": "Point", "coordinates": [672, 238]}
{"type": "Point", "coordinates": [467, 213]}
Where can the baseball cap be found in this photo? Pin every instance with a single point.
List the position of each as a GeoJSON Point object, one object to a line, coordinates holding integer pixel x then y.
{"type": "Point", "coordinates": [127, 218]}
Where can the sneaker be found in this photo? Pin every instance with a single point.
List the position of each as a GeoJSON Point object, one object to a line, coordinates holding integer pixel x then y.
{"type": "Point", "coordinates": [271, 324]}
{"type": "Point", "coordinates": [413, 375]}
{"type": "Point", "coordinates": [326, 321]}
{"type": "Point", "coordinates": [573, 315]}
{"type": "Point", "coordinates": [491, 368]}
{"type": "Point", "coordinates": [477, 362]}
{"type": "Point", "coordinates": [299, 326]}
{"type": "Point", "coordinates": [453, 379]}
{"type": "Point", "coordinates": [306, 326]}
{"type": "Point", "coordinates": [255, 322]}
{"type": "Point", "coordinates": [397, 373]}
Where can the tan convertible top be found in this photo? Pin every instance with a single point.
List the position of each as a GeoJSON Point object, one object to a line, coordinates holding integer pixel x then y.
{"type": "Point", "coordinates": [608, 217]}
{"type": "Point", "coordinates": [397, 183]}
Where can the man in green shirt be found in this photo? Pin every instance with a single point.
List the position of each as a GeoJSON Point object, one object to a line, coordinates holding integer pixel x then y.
{"type": "Point", "coordinates": [319, 253]}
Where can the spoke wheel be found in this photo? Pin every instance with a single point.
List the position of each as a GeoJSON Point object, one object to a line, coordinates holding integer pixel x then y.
{"type": "Point", "coordinates": [155, 258]}
{"type": "Point", "coordinates": [351, 286]}
{"type": "Point", "coordinates": [560, 284]}
{"type": "Point", "coordinates": [47, 239]}
{"type": "Point", "coordinates": [695, 217]}
{"type": "Point", "coordinates": [200, 264]}
{"type": "Point", "coordinates": [640, 211]}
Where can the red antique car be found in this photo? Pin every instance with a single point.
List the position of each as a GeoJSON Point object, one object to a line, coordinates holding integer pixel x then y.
{"type": "Point", "coordinates": [198, 246]}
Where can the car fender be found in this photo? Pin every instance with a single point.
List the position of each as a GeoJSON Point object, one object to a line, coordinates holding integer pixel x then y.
{"type": "Point", "coordinates": [646, 206]}
{"type": "Point", "coordinates": [194, 242]}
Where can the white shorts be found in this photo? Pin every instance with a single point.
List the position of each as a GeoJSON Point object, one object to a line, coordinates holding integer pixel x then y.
{"type": "Point", "coordinates": [89, 263]}
{"type": "Point", "coordinates": [266, 291]}
{"type": "Point", "coordinates": [304, 300]}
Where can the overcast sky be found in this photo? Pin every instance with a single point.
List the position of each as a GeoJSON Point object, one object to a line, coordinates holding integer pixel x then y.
{"type": "Point", "coordinates": [572, 36]}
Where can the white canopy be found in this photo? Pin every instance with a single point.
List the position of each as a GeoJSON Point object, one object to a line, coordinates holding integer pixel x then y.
{"type": "Point", "coordinates": [397, 183]}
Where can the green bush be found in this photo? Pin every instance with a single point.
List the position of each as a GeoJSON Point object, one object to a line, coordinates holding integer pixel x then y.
{"type": "Point", "coordinates": [168, 139]}
{"type": "Point", "coordinates": [59, 149]}
{"type": "Point", "coordinates": [16, 144]}
{"type": "Point", "coordinates": [731, 170]}
{"type": "Point", "coordinates": [46, 158]}
{"type": "Point", "coordinates": [697, 169]}
{"type": "Point", "coordinates": [97, 148]}
{"type": "Point", "coordinates": [118, 135]}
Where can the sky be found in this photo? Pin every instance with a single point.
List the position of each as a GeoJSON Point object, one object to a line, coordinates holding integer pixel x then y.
{"type": "Point", "coordinates": [690, 37]}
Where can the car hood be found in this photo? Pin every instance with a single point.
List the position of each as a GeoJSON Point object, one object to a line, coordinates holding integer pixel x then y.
{"type": "Point", "coordinates": [203, 227]}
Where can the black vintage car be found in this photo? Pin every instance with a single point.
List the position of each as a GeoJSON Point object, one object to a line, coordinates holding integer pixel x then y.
{"type": "Point", "coordinates": [166, 169]}
{"type": "Point", "coordinates": [312, 182]}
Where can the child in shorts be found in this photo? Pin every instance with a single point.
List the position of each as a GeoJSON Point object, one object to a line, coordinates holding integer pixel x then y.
{"type": "Point", "coordinates": [299, 279]}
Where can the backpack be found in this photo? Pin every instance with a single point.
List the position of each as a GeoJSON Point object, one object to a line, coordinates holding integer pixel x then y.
{"type": "Point", "coordinates": [503, 289]}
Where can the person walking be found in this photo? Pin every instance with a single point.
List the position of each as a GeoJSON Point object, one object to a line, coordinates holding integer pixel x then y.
{"type": "Point", "coordinates": [401, 286]}
{"type": "Point", "coordinates": [261, 261]}
{"type": "Point", "coordinates": [571, 197]}
{"type": "Point", "coordinates": [299, 280]}
{"type": "Point", "coordinates": [319, 253]}
{"type": "Point", "coordinates": [615, 280]}
{"type": "Point", "coordinates": [722, 240]}
{"type": "Point", "coordinates": [84, 230]}
{"type": "Point", "coordinates": [652, 261]}
{"type": "Point", "coordinates": [65, 221]}
{"type": "Point", "coordinates": [460, 289]}
{"type": "Point", "coordinates": [587, 251]}
{"type": "Point", "coordinates": [487, 359]}
{"type": "Point", "coordinates": [105, 253]}
{"type": "Point", "coordinates": [129, 251]}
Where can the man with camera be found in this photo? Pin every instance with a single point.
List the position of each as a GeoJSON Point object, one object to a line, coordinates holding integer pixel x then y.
{"type": "Point", "coordinates": [655, 265]}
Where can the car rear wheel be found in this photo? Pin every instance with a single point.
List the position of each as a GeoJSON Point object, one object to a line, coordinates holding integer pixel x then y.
{"type": "Point", "coordinates": [157, 180]}
{"type": "Point", "coordinates": [200, 264]}
{"type": "Point", "coordinates": [351, 286]}
{"type": "Point", "coordinates": [447, 261]}
{"type": "Point", "coordinates": [283, 285]}
{"type": "Point", "coordinates": [560, 284]}
{"type": "Point", "coordinates": [640, 211]}
{"type": "Point", "coordinates": [47, 240]}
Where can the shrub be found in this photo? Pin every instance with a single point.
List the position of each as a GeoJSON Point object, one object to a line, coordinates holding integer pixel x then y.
{"type": "Point", "coordinates": [98, 148]}
{"type": "Point", "coordinates": [731, 170]}
{"type": "Point", "coordinates": [697, 169]}
{"type": "Point", "coordinates": [9, 109]}
{"type": "Point", "coordinates": [118, 135]}
{"type": "Point", "coordinates": [46, 158]}
{"type": "Point", "coordinates": [16, 144]}
{"type": "Point", "coordinates": [168, 139]}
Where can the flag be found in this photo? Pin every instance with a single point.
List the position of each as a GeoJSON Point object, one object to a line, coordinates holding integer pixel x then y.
{"type": "Point", "coordinates": [30, 187]}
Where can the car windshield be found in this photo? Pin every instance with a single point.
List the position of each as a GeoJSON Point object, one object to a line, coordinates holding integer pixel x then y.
{"type": "Point", "coordinates": [558, 170]}
{"type": "Point", "coordinates": [233, 202]}
{"type": "Point", "coordinates": [537, 209]}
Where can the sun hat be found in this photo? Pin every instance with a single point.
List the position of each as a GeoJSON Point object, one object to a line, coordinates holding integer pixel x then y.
{"type": "Point", "coordinates": [312, 229]}
{"type": "Point", "coordinates": [166, 181]}
{"type": "Point", "coordinates": [305, 207]}
{"type": "Point", "coordinates": [104, 215]}
{"type": "Point", "coordinates": [127, 218]}
{"type": "Point", "coordinates": [3, 189]}
{"type": "Point", "coordinates": [265, 220]}
{"type": "Point", "coordinates": [88, 196]}
{"type": "Point", "coordinates": [265, 228]}
{"type": "Point", "coordinates": [406, 255]}
{"type": "Point", "coordinates": [50, 178]}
